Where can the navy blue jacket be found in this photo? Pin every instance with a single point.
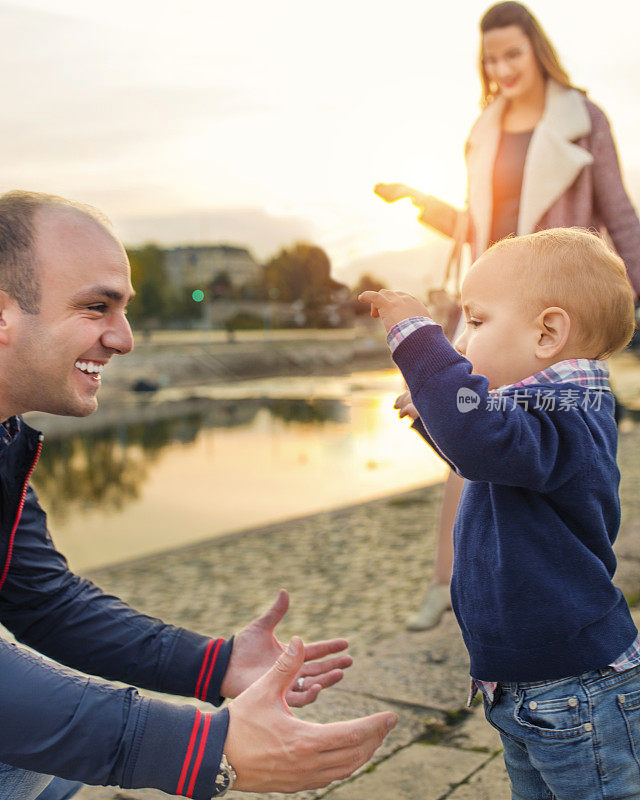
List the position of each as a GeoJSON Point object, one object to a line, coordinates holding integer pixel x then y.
{"type": "Point", "coordinates": [54, 719]}
{"type": "Point", "coordinates": [538, 515]}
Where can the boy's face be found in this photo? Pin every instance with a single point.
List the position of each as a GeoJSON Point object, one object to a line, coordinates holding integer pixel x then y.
{"type": "Point", "coordinates": [501, 331]}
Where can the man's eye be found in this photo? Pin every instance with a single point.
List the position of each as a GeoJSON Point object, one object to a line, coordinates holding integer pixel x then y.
{"type": "Point", "coordinates": [98, 307]}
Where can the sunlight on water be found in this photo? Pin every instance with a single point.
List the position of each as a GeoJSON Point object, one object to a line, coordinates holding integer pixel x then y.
{"type": "Point", "coordinates": [176, 483]}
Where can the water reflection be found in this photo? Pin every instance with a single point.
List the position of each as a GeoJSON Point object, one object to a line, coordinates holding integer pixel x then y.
{"type": "Point", "coordinates": [200, 467]}
{"type": "Point", "coordinates": [107, 469]}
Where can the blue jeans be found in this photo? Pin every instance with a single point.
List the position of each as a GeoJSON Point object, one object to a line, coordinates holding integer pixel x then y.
{"type": "Point", "coordinates": [571, 739]}
{"type": "Point", "coordinates": [22, 784]}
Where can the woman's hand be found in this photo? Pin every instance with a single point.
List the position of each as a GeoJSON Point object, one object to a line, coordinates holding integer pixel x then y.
{"type": "Point", "coordinates": [390, 192]}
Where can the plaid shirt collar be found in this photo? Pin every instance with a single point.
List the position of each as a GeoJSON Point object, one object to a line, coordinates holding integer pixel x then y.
{"type": "Point", "coordinates": [586, 372]}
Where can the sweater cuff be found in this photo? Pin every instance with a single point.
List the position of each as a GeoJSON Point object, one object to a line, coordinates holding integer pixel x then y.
{"type": "Point", "coordinates": [178, 750]}
{"type": "Point", "coordinates": [196, 666]}
{"type": "Point", "coordinates": [423, 353]}
{"type": "Point", "coordinates": [404, 328]}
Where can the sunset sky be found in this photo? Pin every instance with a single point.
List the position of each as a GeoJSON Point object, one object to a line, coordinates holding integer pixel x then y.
{"type": "Point", "coordinates": [262, 123]}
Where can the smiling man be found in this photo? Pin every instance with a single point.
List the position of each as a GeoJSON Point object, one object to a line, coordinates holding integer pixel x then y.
{"type": "Point", "coordinates": [64, 286]}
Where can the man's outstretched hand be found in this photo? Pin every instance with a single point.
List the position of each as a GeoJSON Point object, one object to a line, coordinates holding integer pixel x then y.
{"type": "Point", "coordinates": [256, 649]}
{"type": "Point", "coordinates": [272, 751]}
{"type": "Point", "coordinates": [392, 307]}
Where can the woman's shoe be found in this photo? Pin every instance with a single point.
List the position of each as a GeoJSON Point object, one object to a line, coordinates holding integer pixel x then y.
{"type": "Point", "coordinates": [436, 601]}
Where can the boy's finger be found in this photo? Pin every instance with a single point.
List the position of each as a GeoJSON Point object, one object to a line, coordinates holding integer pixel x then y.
{"type": "Point", "coordinates": [374, 311]}
{"type": "Point", "coordinates": [369, 297]}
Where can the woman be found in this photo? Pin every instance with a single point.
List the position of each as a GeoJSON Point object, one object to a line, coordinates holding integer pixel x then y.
{"type": "Point", "coordinates": [540, 155]}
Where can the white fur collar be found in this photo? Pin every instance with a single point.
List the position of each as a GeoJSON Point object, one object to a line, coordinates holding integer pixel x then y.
{"type": "Point", "coordinates": [552, 164]}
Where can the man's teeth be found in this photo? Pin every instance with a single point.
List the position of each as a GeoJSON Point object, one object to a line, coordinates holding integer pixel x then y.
{"type": "Point", "coordinates": [89, 366]}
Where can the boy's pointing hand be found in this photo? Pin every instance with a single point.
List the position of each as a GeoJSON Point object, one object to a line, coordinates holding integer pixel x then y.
{"type": "Point", "coordinates": [392, 307]}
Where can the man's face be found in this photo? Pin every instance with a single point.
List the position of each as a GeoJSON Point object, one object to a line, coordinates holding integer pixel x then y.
{"type": "Point", "coordinates": [501, 332]}
{"type": "Point", "coordinates": [55, 357]}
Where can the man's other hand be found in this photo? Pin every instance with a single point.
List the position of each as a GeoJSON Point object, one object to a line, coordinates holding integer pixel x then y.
{"type": "Point", "coordinates": [272, 751]}
{"type": "Point", "coordinates": [256, 649]}
{"type": "Point", "coordinates": [392, 307]}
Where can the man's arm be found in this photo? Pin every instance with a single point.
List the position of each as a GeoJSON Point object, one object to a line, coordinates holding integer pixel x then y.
{"type": "Point", "coordinates": [55, 720]}
{"type": "Point", "coordinates": [71, 620]}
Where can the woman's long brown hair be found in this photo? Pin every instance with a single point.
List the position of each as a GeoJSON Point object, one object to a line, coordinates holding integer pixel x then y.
{"type": "Point", "coordinates": [511, 13]}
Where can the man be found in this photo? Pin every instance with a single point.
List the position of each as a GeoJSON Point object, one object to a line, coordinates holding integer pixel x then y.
{"type": "Point", "coordinates": [64, 287]}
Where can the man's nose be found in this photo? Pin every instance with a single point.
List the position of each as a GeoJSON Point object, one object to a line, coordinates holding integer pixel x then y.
{"type": "Point", "coordinates": [119, 337]}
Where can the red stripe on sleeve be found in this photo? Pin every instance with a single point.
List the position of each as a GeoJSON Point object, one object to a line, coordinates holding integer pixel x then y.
{"type": "Point", "coordinates": [187, 758]}
{"type": "Point", "coordinates": [211, 666]}
{"type": "Point", "coordinates": [203, 742]}
{"type": "Point", "coordinates": [203, 668]}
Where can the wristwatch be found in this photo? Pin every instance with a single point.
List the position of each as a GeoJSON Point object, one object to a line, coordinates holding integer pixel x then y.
{"type": "Point", "coordinates": [225, 778]}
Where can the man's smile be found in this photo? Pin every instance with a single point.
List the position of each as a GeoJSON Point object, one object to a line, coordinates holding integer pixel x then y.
{"type": "Point", "coordinates": [92, 369]}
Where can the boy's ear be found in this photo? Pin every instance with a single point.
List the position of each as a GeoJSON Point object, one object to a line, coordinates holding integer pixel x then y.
{"type": "Point", "coordinates": [554, 327]}
{"type": "Point", "coordinates": [8, 311]}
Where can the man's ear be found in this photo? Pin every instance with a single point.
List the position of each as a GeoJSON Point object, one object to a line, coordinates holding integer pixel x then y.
{"type": "Point", "coordinates": [554, 327]}
{"type": "Point", "coordinates": [8, 312]}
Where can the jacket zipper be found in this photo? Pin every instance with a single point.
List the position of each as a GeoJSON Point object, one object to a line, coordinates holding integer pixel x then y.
{"type": "Point", "coordinates": [19, 512]}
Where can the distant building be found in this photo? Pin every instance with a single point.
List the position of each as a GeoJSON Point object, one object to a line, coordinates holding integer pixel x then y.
{"type": "Point", "coordinates": [197, 265]}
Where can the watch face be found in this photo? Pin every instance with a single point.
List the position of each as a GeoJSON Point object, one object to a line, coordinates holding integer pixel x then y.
{"type": "Point", "coordinates": [223, 779]}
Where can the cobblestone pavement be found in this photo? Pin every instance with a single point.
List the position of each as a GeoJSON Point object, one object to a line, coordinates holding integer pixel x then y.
{"type": "Point", "coordinates": [359, 572]}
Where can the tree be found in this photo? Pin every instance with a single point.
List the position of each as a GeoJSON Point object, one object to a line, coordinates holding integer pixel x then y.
{"type": "Point", "coordinates": [153, 300]}
{"type": "Point", "coordinates": [302, 272]}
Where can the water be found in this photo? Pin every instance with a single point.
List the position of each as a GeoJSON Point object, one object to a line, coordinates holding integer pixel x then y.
{"type": "Point", "coordinates": [236, 457]}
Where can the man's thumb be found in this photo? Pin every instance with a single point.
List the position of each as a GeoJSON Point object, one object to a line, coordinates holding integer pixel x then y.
{"type": "Point", "coordinates": [288, 664]}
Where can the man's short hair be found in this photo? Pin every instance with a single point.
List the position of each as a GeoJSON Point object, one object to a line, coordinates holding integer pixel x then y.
{"type": "Point", "coordinates": [576, 270]}
{"type": "Point", "coordinates": [18, 264]}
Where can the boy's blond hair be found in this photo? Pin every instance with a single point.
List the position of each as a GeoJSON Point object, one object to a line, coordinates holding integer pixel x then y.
{"type": "Point", "coordinates": [576, 270]}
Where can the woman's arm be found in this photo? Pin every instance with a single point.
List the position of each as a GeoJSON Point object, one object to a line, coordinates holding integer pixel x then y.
{"type": "Point", "coordinates": [434, 213]}
{"type": "Point", "coordinates": [611, 200]}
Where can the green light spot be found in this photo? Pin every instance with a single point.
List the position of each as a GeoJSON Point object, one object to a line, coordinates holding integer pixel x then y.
{"type": "Point", "coordinates": [198, 295]}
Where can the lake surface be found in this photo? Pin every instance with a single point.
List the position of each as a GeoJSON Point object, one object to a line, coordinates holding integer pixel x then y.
{"type": "Point", "coordinates": [251, 454]}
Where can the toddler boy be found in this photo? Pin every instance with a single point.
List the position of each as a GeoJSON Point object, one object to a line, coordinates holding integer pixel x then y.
{"type": "Point", "coordinates": [522, 409]}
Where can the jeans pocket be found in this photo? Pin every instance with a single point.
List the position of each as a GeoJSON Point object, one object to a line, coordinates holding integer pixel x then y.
{"type": "Point", "coordinates": [629, 705]}
{"type": "Point", "coordinates": [561, 717]}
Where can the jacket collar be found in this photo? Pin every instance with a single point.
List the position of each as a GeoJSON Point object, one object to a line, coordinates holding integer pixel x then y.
{"type": "Point", "coordinates": [552, 164]}
{"type": "Point", "coordinates": [8, 429]}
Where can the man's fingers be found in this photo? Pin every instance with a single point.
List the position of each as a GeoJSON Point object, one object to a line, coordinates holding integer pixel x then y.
{"type": "Point", "coordinates": [316, 650]}
{"type": "Point", "coordinates": [277, 611]}
{"type": "Point", "coordinates": [357, 732]}
{"type": "Point", "coordinates": [320, 667]}
{"type": "Point", "coordinates": [282, 673]}
{"type": "Point", "coordinates": [301, 699]}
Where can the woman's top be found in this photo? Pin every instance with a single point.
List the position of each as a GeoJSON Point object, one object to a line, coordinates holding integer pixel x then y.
{"type": "Point", "coordinates": [508, 171]}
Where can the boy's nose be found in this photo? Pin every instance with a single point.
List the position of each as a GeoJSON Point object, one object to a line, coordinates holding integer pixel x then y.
{"type": "Point", "coordinates": [460, 345]}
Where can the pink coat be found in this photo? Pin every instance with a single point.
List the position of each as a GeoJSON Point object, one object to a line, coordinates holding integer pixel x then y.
{"type": "Point", "coordinates": [571, 176]}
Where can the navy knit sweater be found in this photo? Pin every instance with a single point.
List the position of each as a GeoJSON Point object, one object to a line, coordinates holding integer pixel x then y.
{"type": "Point", "coordinates": [539, 512]}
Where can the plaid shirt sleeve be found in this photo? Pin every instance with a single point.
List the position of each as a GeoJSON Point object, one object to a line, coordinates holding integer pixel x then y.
{"type": "Point", "coordinates": [405, 328]}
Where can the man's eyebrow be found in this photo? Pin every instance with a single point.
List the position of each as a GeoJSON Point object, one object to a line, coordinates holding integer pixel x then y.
{"type": "Point", "coordinates": [106, 292]}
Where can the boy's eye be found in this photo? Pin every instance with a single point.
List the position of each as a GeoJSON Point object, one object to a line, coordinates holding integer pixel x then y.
{"type": "Point", "coordinates": [474, 322]}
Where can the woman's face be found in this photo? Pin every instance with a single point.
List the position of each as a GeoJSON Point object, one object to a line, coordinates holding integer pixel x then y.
{"type": "Point", "coordinates": [509, 61]}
